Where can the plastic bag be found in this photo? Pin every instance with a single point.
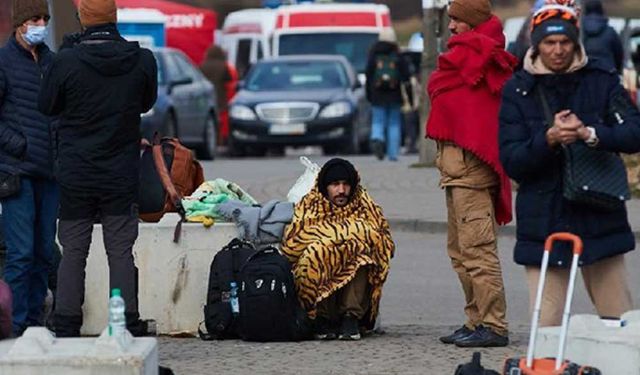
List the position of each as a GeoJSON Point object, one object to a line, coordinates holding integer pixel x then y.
{"type": "Point", "coordinates": [305, 182]}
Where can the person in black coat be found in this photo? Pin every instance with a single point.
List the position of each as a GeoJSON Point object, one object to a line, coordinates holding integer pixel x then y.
{"type": "Point", "coordinates": [99, 87]}
{"type": "Point", "coordinates": [600, 40]}
{"type": "Point", "coordinates": [588, 102]}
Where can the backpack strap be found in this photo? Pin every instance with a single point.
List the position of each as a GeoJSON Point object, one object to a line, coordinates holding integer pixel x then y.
{"type": "Point", "coordinates": [165, 177]}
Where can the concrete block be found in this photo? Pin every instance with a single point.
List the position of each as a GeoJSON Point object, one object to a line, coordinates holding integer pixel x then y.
{"type": "Point", "coordinates": [37, 352]}
{"type": "Point", "coordinates": [173, 278]}
{"type": "Point", "coordinates": [613, 350]}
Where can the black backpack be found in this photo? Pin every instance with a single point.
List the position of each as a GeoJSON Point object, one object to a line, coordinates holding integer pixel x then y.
{"type": "Point", "coordinates": [225, 267]}
{"type": "Point", "coordinates": [269, 308]}
{"type": "Point", "coordinates": [387, 75]}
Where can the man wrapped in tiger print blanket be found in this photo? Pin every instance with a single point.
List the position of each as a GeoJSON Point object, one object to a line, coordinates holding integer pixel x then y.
{"type": "Point", "coordinates": [328, 242]}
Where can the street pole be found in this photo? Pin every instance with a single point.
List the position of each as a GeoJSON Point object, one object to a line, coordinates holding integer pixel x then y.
{"type": "Point", "coordinates": [434, 31]}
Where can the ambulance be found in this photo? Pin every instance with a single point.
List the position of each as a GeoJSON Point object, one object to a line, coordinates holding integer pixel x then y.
{"type": "Point", "coordinates": [343, 29]}
{"type": "Point", "coordinates": [246, 36]}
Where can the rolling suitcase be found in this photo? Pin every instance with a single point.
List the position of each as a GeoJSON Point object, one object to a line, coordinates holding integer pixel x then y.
{"type": "Point", "coordinates": [558, 365]}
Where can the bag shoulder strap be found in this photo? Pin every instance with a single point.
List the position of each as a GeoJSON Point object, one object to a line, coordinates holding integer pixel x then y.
{"type": "Point", "coordinates": [165, 177]}
{"type": "Point", "coordinates": [548, 115]}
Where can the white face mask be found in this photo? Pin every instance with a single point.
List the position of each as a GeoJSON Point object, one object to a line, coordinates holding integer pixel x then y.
{"type": "Point", "coordinates": [35, 35]}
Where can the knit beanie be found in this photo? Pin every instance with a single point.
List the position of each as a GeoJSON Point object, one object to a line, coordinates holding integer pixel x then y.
{"type": "Point", "coordinates": [553, 20]}
{"type": "Point", "coordinates": [23, 10]}
{"type": "Point", "coordinates": [334, 170]}
{"type": "Point", "coordinates": [473, 12]}
{"type": "Point", "coordinates": [593, 7]}
{"type": "Point", "coordinates": [97, 12]}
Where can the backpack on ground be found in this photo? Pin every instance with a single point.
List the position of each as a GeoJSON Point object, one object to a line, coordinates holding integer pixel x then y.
{"type": "Point", "coordinates": [387, 75]}
{"type": "Point", "coordinates": [225, 267]}
{"type": "Point", "coordinates": [168, 172]}
{"type": "Point", "coordinates": [269, 308]}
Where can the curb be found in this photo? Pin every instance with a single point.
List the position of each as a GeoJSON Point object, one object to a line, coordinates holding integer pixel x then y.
{"type": "Point", "coordinates": [435, 227]}
{"type": "Point", "coordinates": [440, 227]}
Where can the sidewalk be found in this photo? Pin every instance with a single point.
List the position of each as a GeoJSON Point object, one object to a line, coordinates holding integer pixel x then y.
{"type": "Point", "coordinates": [410, 197]}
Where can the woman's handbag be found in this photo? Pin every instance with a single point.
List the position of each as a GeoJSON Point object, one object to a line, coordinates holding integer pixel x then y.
{"type": "Point", "coordinates": [591, 176]}
{"type": "Point", "coordinates": [9, 184]}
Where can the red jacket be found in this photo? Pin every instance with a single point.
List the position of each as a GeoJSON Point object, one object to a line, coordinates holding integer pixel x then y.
{"type": "Point", "coordinates": [465, 94]}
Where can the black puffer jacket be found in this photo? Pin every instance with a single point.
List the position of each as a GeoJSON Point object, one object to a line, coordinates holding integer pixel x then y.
{"type": "Point", "coordinates": [385, 97]}
{"type": "Point", "coordinates": [602, 42]}
{"type": "Point", "coordinates": [99, 87]}
{"type": "Point", "coordinates": [595, 95]}
{"type": "Point", "coordinates": [26, 135]}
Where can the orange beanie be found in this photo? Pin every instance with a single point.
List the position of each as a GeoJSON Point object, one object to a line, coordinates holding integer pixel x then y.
{"type": "Point", "coordinates": [97, 12]}
{"type": "Point", "coordinates": [473, 12]}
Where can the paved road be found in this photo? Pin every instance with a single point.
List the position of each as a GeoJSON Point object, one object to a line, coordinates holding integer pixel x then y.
{"type": "Point", "coordinates": [410, 197]}
{"type": "Point", "coordinates": [421, 301]}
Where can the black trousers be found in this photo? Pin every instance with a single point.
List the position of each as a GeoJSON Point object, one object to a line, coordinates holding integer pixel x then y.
{"type": "Point", "coordinates": [118, 214]}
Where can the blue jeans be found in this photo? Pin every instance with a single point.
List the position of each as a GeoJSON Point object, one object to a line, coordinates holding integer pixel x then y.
{"type": "Point", "coordinates": [30, 229]}
{"type": "Point", "coordinates": [385, 127]}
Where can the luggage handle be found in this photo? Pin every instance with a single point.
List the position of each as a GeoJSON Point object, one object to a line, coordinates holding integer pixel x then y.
{"type": "Point", "coordinates": [548, 246]}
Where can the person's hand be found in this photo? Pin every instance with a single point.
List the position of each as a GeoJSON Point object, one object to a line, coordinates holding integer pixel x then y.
{"type": "Point", "coordinates": [583, 132]}
{"type": "Point", "coordinates": [567, 128]}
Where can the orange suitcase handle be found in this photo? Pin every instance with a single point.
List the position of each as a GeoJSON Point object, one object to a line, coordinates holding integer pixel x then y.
{"type": "Point", "coordinates": [564, 236]}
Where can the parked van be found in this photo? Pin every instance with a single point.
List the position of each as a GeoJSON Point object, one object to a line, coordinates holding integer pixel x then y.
{"type": "Point", "coordinates": [343, 29]}
{"type": "Point", "coordinates": [246, 36]}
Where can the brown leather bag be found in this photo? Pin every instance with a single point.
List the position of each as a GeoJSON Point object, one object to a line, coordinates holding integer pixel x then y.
{"type": "Point", "coordinates": [178, 172]}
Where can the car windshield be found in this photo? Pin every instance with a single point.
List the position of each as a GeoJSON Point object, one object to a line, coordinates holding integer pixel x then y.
{"type": "Point", "coordinates": [296, 75]}
{"type": "Point", "coordinates": [354, 46]}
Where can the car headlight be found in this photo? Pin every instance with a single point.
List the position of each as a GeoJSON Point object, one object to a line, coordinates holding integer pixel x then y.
{"type": "Point", "coordinates": [242, 112]}
{"type": "Point", "coordinates": [338, 109]}
{"type": "Point", "coordinates": [148, 113]}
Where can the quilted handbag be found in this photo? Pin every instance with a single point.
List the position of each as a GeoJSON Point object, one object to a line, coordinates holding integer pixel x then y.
{"type": "Point", "coordinates": [591, 176]}
{"type": "Point", "coordinates": [594, 177]}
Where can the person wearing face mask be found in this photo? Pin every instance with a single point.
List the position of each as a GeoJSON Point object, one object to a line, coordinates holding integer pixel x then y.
{"type": "Point", "coordinates": [340, 246]}
{"type": "Point", "coordinates": [28, 190]}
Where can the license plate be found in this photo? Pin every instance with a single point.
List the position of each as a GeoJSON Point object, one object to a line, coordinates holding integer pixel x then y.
{"type": "Point", "coordinates": [288, 129]}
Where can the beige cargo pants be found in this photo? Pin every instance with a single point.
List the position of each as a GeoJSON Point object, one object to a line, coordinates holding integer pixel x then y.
{"type": "Point", "coordinates": [471, 241]}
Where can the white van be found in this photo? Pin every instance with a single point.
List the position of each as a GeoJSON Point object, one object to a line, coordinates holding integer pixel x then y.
{"type": "Point", "coordinates": [335, 29]}
{"type": "Point", "coordinates": [246, 36]}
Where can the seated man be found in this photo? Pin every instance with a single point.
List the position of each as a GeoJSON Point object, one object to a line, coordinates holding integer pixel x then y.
{"type": "Point", "coordinates": [340, 246]}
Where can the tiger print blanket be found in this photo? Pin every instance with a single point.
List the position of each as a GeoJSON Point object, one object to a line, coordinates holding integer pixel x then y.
{"type": "Point", "coordinates": [327, 244]}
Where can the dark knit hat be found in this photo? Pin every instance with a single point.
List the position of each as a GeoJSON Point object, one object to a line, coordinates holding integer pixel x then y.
{"type": "Point", "coordinates": [593, 7]}
{"type": "Point", "coordinates": [334, 170]}
{"type": "Point", "coordinates": [97, 12]}
{"type": "Point", "coordinates": [473, 12]}
{"type": "Point", "coordinates": [553, 20]}
{"type": "Point", "coordinates": [23, 10]}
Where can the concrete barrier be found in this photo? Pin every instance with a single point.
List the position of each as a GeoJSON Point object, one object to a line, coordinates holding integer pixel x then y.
{"type": "Point", "coordinates": [590, 342]}
{"type": "Point", "coordinates": [172, 277]}
{"type": "Point", "coordinates": [37, 352]}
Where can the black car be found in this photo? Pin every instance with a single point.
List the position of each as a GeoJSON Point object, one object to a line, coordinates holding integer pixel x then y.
{"type": "Point", "coordinates": [300, 101]}
{"type": "Point", "coordinates": [185, 107]}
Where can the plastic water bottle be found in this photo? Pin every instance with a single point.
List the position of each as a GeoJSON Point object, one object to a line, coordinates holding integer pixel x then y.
{"type": "Point", "coordinates": [117, 321]}
{"type": "Point", "coordinates": [235, 305]}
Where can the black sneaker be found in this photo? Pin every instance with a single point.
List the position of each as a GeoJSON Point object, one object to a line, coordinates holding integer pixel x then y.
{"type": "Point", "coordinates": [377, 147]}
{"type": "Point", "coordinates": [324, 330]}
{"type": "Point", "coordinates": [482, 337]}
{"type": "Point", "coordinates": [349, 329]}
{"type": "Point", "coordinates": [458, 334]}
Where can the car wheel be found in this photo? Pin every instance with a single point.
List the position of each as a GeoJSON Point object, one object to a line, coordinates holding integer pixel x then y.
{"type": "Point", "coordinates": [169, 128]}
{"type": "Point", "coordinates": [207, 149]}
